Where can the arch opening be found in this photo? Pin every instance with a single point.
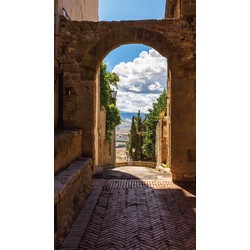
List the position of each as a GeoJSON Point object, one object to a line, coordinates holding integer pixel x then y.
{"type": "Point", "coordinates": [122, 33]}
{"type": "Point", "coordinates": [143, 79]}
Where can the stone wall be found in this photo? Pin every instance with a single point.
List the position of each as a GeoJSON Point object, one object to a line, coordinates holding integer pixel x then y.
{"type": "Point", "coordinates": [79, 108]}
{"type": "Point", "coordinates": [68, 147]}
{"type": "Point", "coordinates": [106, 149]}
{"type": "Point", "coordinates": [180, 9]}
{"type": "Point", "coordinates": [183, 130]}
{"type": "Point", "coordinates": [173, 9]}
{"type": "Point", "coordinates": [72, 187]}
{"type": "Point", "coordinates": [96, 122]}
{"type": "Point", "coordinates": [160, 142]}
{"type": "Point", "coordinates": [56, 94]}
{"type": "Point", "coordinates": [188, 8]}
{"type": "Point", "coordinates": [78, 10]}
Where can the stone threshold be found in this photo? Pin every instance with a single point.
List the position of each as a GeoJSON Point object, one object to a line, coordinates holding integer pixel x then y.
{"type": "Point", "coordinates": [68, 176]}
{"type": "Point", "coordinates": [148, 164]}
{"type": "Point", "coordinates": [163, 170]}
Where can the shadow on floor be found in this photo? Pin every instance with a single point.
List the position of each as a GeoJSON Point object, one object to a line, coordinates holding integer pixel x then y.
{"type": "Point", "coordinates": [131, 173]}
{"type": "Point", "coordinates": [125, 212]}
{"type": "Point", "coordinates": [189, 186]}
{"type": "Point", "coordinates": [113, 174]}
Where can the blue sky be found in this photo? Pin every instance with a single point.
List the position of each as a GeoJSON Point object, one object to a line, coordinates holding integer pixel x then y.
{"type": "Point", "coordinates": [142, 74]}
{"type": "Point", "coordinates": [124, 53]}
{"type": "Point", "coordinates": [117, 10]}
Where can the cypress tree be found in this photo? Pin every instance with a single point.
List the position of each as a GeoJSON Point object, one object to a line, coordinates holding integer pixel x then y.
{"type": "Point", "coordinates": [134, 141]}
{"type": "Point", "coordinates": [135, 138]}
{"type": "Point", "coordinates": [139, 132]}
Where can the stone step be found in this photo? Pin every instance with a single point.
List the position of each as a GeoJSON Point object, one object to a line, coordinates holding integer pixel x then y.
{"type": "Point", "coordinates": [72, 186]}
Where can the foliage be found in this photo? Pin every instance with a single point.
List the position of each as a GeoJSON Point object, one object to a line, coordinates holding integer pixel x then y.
{"type": "Point", "coordinates": [113, 117]}
{"type": "Point", "coordinates": [165, 165]}
{"type": "Point", "coordinates": [150, 122]}
{"type": "Point", "coordinates": [107, 80]}
{"type": "Point", "coordinates": [144, 145]}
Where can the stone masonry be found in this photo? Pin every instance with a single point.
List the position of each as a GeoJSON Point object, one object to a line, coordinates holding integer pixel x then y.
{"type": "Point", "coordinates": [160, 142]}
{"type": "Point", "coordinates": [72, 187]}
{"type": "Point", "coordinates": [106, 149]}
{"type": "Point", "coordinates": [68, 147]}
{"type": "Point", "coordinates": [85, 44]}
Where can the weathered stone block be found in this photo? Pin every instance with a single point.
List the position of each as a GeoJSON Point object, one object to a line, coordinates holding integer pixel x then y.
{"type": "Point", "coordinates": [68, 147]}
{"type": "Point", "coordinates": [188, 8]}
{"type": "Point", "coordinates": [72, 68]}
{"type": "Point", "coordinates": [186, 177]}
{"type": "Point", "coordinates": [72, 187]}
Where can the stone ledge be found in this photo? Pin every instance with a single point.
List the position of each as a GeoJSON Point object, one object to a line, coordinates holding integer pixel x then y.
{"type": "Point", "coordinates": [72, 186]}
{"type": "Point", "coordinates": [67, 146]}
{"type": "Point", "coordinates": [163, 170]}
{"type": "Point", "coordinates": [137, 164]}
{"type": "Point", "coordinates": [68, 176]}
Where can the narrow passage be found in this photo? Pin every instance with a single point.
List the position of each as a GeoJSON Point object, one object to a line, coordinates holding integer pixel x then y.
{"type": "Point", "coordinates": [145, 212]}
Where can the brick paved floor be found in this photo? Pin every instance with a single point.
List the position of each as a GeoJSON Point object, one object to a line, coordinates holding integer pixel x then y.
{"type": "Point", "coordinates": [135, 214]}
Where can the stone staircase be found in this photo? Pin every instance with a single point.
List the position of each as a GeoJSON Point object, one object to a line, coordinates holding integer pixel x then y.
{"type": "Point", "coordinates": [72, 186]}
{"type": "Point", "coordinates": [72, 180]}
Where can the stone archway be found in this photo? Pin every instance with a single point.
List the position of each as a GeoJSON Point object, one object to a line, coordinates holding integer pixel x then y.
{"type": "Point", "coordinates": [85, 44]}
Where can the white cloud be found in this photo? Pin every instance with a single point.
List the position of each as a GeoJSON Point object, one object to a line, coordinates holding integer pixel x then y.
{"type": "Point", "coordinates": [146, 74]}
{"type": "Point", "coordinates": [131, 102]}
{"type": "Point", "coordinates": [155, 86]}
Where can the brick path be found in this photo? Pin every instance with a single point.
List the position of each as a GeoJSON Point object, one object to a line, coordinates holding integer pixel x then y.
{"type": "Point", "coordinates": [135, 214]}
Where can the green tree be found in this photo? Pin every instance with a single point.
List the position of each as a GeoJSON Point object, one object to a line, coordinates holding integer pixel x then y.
{"type": "Point", "coordinates": [150, 122]}
{"type": "Point", "coordinates": [134, 141]}
{"type": "Point", "coordinates": [139, 132]}
{"type": "Point", "coordinates": [135, 138]}
{"type": "Point", "coordinates": [107, 80]}
{"type": "Point", "coordinates": [113, 117]}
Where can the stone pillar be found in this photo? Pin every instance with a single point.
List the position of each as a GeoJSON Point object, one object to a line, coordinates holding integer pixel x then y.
{"type": "Point", "coordinates": [97, 117]}
{"type": "Point", "coordinates": [160, 142]}
{"type": "Point", "coordinates": [168, 120]}
{"type": "Point", "coordinates": [183, 132]}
